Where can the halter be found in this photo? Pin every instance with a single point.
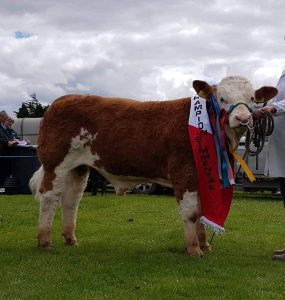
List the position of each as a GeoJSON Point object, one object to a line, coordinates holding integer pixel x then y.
{"type": "Point", "coordinates": [233, 106]}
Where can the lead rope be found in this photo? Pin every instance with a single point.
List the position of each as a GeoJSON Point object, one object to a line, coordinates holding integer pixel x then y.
{"type": "Point", "coordinates": [263, 126]}
{"type": "Point", "coordinates": [212, 237]}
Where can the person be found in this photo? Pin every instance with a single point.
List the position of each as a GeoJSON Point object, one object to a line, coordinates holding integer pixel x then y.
{"type": "Point", "coordinates": [3, 143]}
{"type": "Point", "coordinates": [276, 145]}
{"type": "Point", "coordinates": [8, 135]}
{"type": "Point", "coordinates": [9, 140]}
{"type": "Point", "coordinates": [3, 117]}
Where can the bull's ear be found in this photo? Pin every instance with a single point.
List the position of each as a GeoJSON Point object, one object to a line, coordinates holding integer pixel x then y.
{"type": "Point", "coordinates": [265, 93]}
{"type": "Point", "coordinates": [202, 88]}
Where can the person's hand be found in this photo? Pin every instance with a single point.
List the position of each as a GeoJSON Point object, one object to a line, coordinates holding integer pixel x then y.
{"type": "Point", "coordinates": [270, 108]}
{"type": "Point", "coordinates": [13, 143]}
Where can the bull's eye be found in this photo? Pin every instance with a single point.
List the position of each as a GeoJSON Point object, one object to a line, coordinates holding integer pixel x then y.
{"type": "Point", "coordinates": [252, 98]}
{"type": "Point", "coordinates": [222, 99]}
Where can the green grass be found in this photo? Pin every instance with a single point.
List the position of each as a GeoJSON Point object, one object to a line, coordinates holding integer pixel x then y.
{"type": "Point", "coordinates": [132, 248]}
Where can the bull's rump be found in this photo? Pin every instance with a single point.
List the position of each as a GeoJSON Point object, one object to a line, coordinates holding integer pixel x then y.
{"type": "Point", "coordinates": [130, 137]}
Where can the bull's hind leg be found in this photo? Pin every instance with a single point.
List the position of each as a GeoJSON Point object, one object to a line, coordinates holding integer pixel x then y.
{"type": "Point", "coordinates": [49, 195]}
{"type": "Point", "coordinates": [189, 210]}
{"type": "Point", "coordinates": [75, 183]}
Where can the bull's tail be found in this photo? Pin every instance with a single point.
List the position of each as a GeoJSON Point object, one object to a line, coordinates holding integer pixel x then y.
{"type": "Point", "coordinates": [35, 182]}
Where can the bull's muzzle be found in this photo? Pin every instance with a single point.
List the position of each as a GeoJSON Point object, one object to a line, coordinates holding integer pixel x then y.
{"type": "Point", "coordinates": [245, 120]}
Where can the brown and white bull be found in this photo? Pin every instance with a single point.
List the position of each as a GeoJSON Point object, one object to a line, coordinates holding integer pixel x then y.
{"type": "Point", "coordinates": [129, 142]}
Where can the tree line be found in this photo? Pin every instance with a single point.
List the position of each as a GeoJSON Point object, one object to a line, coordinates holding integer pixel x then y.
{"type": "Point", "coordinates": [31, 108]}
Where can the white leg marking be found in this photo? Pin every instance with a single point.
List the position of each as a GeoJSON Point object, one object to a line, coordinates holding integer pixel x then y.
{"type": "Point", "coordinates": [49, 202]}
{"type": "Point", "coordinates": [188, 205]}
{"type": "Point", "coordinates": [189, 211]}
{"type": "Point", "coordinates": [74, 188]}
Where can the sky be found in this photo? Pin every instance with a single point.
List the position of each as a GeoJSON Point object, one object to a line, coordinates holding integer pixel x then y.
{"type": "Point", "coordinates": [145, 50]}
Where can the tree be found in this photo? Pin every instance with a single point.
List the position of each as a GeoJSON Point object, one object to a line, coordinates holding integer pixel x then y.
{"type": "Point", "coordinates": [31, 108]}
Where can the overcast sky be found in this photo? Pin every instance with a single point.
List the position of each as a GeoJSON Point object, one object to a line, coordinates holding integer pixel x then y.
{"type": "Point", "coordinates": [139, 49]}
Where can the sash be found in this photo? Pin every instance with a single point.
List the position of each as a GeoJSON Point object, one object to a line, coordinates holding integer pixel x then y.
{"type": "Point", "coordinates": [214, 172]}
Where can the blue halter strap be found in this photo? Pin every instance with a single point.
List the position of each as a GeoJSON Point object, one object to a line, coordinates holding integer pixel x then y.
{"type": "Point", "coordinates": [233, 106]}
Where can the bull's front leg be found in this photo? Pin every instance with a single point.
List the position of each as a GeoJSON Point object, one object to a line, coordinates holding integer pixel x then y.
{"type": "Point", "coordinates": [189, 211]}
{"type": "Point", "coordinates": [202, 237]}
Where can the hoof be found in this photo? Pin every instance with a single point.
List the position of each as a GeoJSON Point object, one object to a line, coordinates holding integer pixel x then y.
{"type": "Point", "coordinates": [206, 248]}
{"type": "Point", "coordinates": [45, 244]}
{"type": "Point", "coordinates": [71, 242]}
{"type": "Point", "coordinates": [194, 252]}
{"type": "Point", "coordinates": [44, 239]}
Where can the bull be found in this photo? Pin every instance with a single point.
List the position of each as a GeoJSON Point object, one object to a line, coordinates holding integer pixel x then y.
{"type": "Point", "coordinates": [130, 142]}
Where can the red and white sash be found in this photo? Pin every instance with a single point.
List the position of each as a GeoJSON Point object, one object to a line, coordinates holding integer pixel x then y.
{"type": "Point", "coordinates": [215, 200]}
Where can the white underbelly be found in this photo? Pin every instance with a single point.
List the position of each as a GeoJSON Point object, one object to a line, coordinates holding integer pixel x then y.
{"type": "Point", "coordinates": [125, 183]}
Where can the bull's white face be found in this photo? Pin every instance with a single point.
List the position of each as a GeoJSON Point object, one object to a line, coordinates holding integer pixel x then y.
{"type": "Point", "coordinates": [236, 96]}
{"type": "Point", "coordinates": [231, 91]}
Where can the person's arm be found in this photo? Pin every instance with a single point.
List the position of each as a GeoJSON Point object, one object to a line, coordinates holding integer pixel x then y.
{"type": "Point", "coordinates": [280, 106]}
{"type": "Point", "coordinates": [13, 134]}
{"type": "Point", "coordinates": [3, 138]}
{"type": "Point", "coordinates": [276, 108]}
{"type": "Point", "coordinates": [3, 141]}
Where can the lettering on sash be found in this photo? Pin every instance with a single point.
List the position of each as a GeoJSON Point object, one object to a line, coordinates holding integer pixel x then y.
{"type": "Point", "coordinates": [205, 156]}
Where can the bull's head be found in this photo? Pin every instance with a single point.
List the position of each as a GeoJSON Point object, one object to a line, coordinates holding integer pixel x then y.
{"type": "Point", "coordinates": [236, 96]}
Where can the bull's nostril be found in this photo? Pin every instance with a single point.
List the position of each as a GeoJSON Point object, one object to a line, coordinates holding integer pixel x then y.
{"type": "Point", "coordinates": [245, 123]}
{"type": "Point", "coordinates": [243, 119]}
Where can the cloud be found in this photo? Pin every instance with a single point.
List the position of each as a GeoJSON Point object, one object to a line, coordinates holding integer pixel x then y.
{"type": "Point", "coordinates": [143, 49]}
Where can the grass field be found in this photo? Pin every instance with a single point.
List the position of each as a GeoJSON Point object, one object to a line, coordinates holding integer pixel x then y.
{"type": "Point", "coordinates": [132, 248]}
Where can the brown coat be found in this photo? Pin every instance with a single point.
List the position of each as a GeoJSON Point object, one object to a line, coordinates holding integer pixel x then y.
{"type": "Point", "coordinates": [141, 139]}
